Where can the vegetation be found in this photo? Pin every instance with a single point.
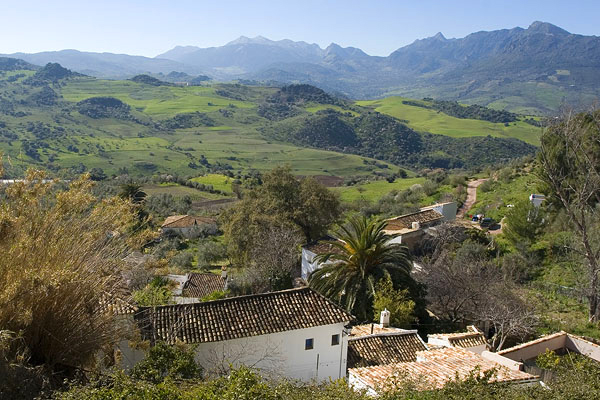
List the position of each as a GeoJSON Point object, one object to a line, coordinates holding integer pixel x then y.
{"type": "Point", "coordinates": [362, 258]}
{"type": "Point", "coordinates": [60, 266]}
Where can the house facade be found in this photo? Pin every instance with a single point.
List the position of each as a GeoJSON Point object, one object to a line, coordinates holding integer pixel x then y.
{"type": "Point", "coordinates": [296, 333]}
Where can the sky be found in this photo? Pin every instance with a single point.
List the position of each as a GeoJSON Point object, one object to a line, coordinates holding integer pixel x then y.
{"type": "Point", "coordinates": [150, 27]}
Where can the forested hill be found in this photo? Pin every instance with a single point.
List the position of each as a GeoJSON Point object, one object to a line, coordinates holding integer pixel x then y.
{"type": "Point", "coordinates": [67, 122]}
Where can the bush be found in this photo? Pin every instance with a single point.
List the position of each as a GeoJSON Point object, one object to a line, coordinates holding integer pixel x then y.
{"type": "Point", "coordinates": [210, 252]}
{"type": "Point", "coordinates": [166, 361]}
{"type": "Point", "coordinates": [182, 260]}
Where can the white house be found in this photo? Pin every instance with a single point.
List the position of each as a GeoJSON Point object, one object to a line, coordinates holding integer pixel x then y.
{"type": "Point", "coordinates": [189, 226]}
{"type": "Point", "coordinates": [537, 199]}
{"type": "Point", "coordinates": [448, 210]}
{"type": "Point", "coordinates": [409, 229]}
{"type": "Point", "coordinates": [311, 251]}
{"type": "Point", "coordinates": [294, 333]}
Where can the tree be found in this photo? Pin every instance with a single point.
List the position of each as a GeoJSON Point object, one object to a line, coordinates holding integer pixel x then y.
{"type": "Point", "coordinates": [397, 302]}
{"type": "Point", "coordinates": [570, 170]}
{"type": "Point", "coordinates": [132, 192]}
{"type": "Point", "coordinates": [281, 202]}
{"type": "Point", "coordinates": [363, 256]}
{"type": "Point", "coordinates": [166, 361]}
{"type": "Point", "coordinates": [524, 223]}
{"type": "Point", "coordinates": [61, 261]}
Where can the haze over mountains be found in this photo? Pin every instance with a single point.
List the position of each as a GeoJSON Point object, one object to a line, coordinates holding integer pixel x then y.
{"type": "Point", "coordinates": [525, 70]}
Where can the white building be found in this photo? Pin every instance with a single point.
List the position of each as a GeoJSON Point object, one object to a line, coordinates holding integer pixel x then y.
{"type": "Point", "coordinates": [189, 226]}
{"type": "Point", "coordinates": [297, 333]}
{"type": "Point", "coordinates": [311, 251]}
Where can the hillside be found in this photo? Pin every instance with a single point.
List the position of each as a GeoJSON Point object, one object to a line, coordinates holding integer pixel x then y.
{"type": "Point", "coordinates": [530, 71]}
{"type": "Point", "coordinates": [68, 122]}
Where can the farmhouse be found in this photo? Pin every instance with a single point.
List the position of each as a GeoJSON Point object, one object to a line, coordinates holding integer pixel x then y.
{"type": "Point", "coordinates": [294, 333]}
{"type": "Point", "coordinates": [409, 229]}
{"type": "Point", "coordinates": [189, 226]}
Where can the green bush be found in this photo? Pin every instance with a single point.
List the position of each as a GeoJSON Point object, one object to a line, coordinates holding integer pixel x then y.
{"type": "Point", "coordinates": [164, 361]}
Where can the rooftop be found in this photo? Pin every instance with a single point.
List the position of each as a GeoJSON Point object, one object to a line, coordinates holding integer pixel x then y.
{"type": "Point", "coordinates": [202, 284]}
{"type": "Point", "coordinates": [435, 368]}
{"type": "Point", "coordinates": [322, 246]}
{"type": "Point", "coordinates": [371, 329]}
{"type": "Point", "coordinates": [471, 338]}
{"type": "Point", "coordinates": [384, 348]}
{"type": "Point", "coordinates": [186, 221]}
{"type": "Point", "coordinates": [404, 222]}
{"type": "Point", "coordinates": [239, 317]}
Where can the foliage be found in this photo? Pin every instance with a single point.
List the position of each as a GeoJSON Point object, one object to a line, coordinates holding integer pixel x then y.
{"type": "Point", "coordinates": [61, 260]}
{"type": "Point", "coordinates": [210, 252]}
{"type": "Point", "coordinates": [363, 256]}
{"type": "Point", "coordinates": [216, 295]}
{"type": "Point", "coordinates": [281, 203]}
{"type": "Point", "coordinates": [156, 293]}
{"type": "Point", "coordinates": [570, 170]}
{"type": "Point", "coordinates": [474, 111]}
{"type": "Point", "coordinates": [104, 107]}
{"type": "Point", "coordinates": [395, 301]}
{"type": "Point", "coordinates": [524, 224]}
{"type": "Point", "coordinates": [165, 361]}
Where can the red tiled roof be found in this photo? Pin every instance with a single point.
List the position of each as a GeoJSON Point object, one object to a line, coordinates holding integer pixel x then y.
{"type": "Point", "coordinates": [384, 348]}
{"type": "Point", "coordinates": [373, 329]}
{"type": "Point", "coordinates": [239, 317]}
{"type": "Point", "coordinates": [435, 368]}
{"type": "Point", "coordinates": [405, 221]}
{"type": "Point", "coordinates": [202, 284]}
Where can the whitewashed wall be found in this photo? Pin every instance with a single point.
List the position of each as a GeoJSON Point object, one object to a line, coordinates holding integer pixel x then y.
{"type": "Point", "coordinates": [278, 354]}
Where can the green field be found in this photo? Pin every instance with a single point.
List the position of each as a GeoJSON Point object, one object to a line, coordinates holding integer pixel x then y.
{"type": "Point", "coordinates": [179, 191]}
{"type": "Point", "coordinates": [218, 182]}
{"type": "Point", "coordinates": [374, 190]}
{"type": "Point", "coordinates": [428, 120]}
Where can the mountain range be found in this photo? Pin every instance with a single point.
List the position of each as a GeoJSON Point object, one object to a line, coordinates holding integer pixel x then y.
{"type": "Point", "coordinates": [532, 70]}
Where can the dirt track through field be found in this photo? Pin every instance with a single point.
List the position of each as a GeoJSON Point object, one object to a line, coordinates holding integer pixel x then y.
{"type": "Point", "coordinates": [471, 197]}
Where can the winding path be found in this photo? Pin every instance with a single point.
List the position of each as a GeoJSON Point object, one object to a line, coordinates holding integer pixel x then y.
{"type": "Point", "coordinates": [471, 197]}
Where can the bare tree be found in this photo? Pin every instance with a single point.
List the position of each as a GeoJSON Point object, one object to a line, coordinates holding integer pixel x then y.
{"type": "Point", "coordinates": [570, 168]}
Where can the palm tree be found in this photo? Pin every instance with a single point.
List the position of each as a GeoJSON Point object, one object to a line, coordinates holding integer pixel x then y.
{"type": "Point", "coordinates": [133, 192]}
{"type": "Point", "coordinates": [361, 257]}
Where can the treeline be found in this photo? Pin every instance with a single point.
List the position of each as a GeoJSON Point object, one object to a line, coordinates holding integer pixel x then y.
{"type": "Point", "coordinates": [457, 110]}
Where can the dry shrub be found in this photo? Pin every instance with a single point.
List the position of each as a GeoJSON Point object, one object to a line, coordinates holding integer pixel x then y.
{"type": "Point", "coordinates": [61, 255]}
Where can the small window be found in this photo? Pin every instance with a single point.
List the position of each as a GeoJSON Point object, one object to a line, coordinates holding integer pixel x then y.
{"type": "Point", "coordinates": [335, 340]}
{"type": "Point", "coordinates": [309, 344]}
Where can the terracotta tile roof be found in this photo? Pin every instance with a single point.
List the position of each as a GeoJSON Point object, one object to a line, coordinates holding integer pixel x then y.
{"type": "Point", "coordinates": [373, 329]}
{"type": "Point", "coordinates": [322, 246]}
{"type": "Point", "coordinates": [384, 348]}
{"type": "Point", "coordinates": [200, 285]}
{"type": "Point", "coordinates": [533, 342]}
{"type": "Point", "coordinates": [435, 368]}
{"type": "Point", "coordinates": [404, 222]}
{"type": "Point", "coordinates": [186, 221]}
{"type": "Point", "coordinates": [118, 304]}
{"type": "Point", "coordinates": [239, 317]}
{"type": "Point", "coordinates": [471, 338]}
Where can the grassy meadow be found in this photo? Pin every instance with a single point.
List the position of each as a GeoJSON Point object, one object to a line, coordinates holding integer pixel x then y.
{"type": "Point", "coordinates": [428, 120]}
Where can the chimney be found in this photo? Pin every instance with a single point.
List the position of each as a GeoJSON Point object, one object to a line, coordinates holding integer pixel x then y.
{"type": "Point", "coordinates": [384, 320]}
{"type": "Point", "coordinates": [416, 225]}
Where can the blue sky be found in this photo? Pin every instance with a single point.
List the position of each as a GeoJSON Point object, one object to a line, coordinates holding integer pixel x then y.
{"type": "Point", "coordinates": [149, 27]}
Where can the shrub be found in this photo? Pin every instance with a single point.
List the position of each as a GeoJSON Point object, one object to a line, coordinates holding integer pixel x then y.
{"type": "Point", "coordinates": [166, 361]}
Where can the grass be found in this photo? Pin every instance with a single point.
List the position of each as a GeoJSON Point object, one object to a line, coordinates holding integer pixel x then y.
{"type": "Point", "coordinates": [427, 120]}
{"type": "Point", "coordinates": [179, 191]}
{"type": "Point", "coordinates": [374, 190]}
{"type": "Point", "coordinates": [493, 203]}
{"type": "Point", "coordinates": [218, 182]}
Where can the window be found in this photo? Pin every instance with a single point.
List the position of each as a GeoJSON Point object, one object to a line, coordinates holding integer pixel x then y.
{"type": "Point", "coordinates": [335, 340]}
{"type": "Point", "coordinates": [309, 344]}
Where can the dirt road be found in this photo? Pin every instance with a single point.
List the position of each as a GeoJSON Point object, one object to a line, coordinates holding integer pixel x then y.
{"type": "Point", "coordinates": [471, 197]}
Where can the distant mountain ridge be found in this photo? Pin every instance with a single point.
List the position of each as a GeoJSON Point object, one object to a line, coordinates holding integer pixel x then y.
{"type": "Point", "coordinates": [530, 70]}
